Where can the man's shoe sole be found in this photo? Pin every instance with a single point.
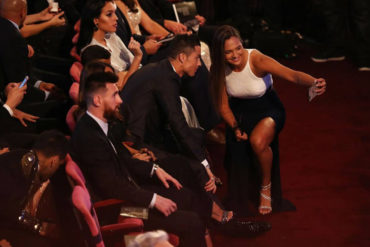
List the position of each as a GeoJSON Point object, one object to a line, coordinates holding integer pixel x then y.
{"type": "Point", "coordinates": [323, 60]}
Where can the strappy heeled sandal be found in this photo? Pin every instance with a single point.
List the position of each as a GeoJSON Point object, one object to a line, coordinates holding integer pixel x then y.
{"type": "Point", "coordinates": [265, 209]}
{"type": "Point", "coordinates": [225, 215]}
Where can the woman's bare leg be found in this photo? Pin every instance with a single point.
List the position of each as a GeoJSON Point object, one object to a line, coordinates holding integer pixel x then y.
{"type": "Point", "coordinates": [260, 139]}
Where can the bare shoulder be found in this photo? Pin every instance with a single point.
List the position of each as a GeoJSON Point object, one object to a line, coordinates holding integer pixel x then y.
{"type": "Point", "coordinates": [257, 60]}
{"type": "Point", "coordinates": [256, 56]}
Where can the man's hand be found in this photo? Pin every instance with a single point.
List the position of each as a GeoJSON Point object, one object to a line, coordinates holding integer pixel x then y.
{"type": "Point", "coordinates": [201, 19]}
{"type": "Point", "coordinates": [22, 116]}
{"type": "Point", "coordinates": [151, 46]}
{"type": "Point", "coordinates": [148, 152]}
{"type": "Point", "coordinates": [14, 94]}
{"type": "Point", "coordinates": [164, 177]}
{"type": "Point", "coordinates": [164, 205]}
{"type": "Point", "coordinates": [57, 20]}
{"type": "Point", "coordinates": [45, 14]}
{"type": "Point", "coordinates": [210, 185]}
{"type": "Point", "coordinates": [175, 27]}
{"type": "Point", "coordinates": [142, 156]}
{"type": "Point", "coordinates": [46, 86]}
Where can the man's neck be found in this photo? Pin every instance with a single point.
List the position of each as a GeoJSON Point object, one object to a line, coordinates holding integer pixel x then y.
{"type": "Point", "coordinates": [176, 67]}
{"type": "Point", "coordinates": [12, 19]}
{"type": "Point", "coordinates": [97, 113]}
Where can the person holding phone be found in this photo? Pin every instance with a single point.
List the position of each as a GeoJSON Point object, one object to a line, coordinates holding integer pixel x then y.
{"type": "Point", "coordinates": [14, 93]}
{"type": "Point", "coordinates": [243, 91]}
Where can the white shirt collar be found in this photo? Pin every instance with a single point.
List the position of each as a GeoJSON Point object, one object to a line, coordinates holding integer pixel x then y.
{"type": "Point", "coordinates": [103, 125]}
{"type": "Point", "coordinates": [15, 24]}
{"type": "Point", "coordinates": [173, 68]}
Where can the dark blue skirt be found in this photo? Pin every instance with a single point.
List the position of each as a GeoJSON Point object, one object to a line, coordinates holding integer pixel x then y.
{"type": "Point", "coordinates": [244, 174]}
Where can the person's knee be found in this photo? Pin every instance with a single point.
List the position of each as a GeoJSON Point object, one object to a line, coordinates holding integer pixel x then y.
{"type": "Point", "coordinates": [258, 143]}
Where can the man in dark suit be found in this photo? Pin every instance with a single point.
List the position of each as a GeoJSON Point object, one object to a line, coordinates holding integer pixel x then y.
{"type": "Point", "coordinates": [152, 98]}
{"type": "Point", "coordinates": [26, 208]}
{"type": "Point", "coordinates": [14, 61]}
{"type": "Point", "coordinates": [112, 172]}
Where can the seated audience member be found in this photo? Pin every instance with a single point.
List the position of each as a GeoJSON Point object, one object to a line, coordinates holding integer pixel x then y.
{"type": "Point", "coordinates": [50, 31]}
{"type": "Point", "coordinates": [196, 90]}
{"type": "Point", "coordinates": [13, 119]}
{"type": "Point", "coordinates": [28, 217]}
{"type": "Point", "coordinates": [152, 97]}
{"type": "Point", "coordinates": [14, 61]}
{"type": "Point", "coordinates": [98, 149]}
{"type": "Point", "coordinates": [90, 68]}
{"type": "Point", "coordinates": [162, 12]}
{"type": "Point", "coordinates": [138, 18]}
{"type": "Point", "coordinates": [95, 53]}
{"type": "Point", "coordinates": [36, 23]}
{"type": "Point", "coordinates": [98, 27]}
{"type": "Point", "coordinates": [131, 17]}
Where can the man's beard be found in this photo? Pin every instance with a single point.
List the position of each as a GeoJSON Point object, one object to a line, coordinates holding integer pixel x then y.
{"type": "Point", "coordinates": [112, 115]}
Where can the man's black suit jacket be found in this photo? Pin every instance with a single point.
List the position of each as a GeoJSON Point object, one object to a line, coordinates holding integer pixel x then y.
{"type": "Point", "coordinates": [152, 97]}
{"type": "Point", "coordinates": [14, 61]}
{"type": "Point", "coordinates": [106, 171]}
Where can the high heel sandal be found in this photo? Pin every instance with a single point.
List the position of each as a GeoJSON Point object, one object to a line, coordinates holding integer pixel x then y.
{"type": "Point", "coordinates": [265, 209]}
{"type": "Point", "coordinates": [225, 217]}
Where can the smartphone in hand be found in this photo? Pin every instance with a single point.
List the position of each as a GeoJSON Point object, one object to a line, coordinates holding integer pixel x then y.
{"type": "Point", "coordinates": [24, 81]}
{"type": "Point", "coordinates": [312, 91]}
{"type": "Point", "coordinates": [169, 37]}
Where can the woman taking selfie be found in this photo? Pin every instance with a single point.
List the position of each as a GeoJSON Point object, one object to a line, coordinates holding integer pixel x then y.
{"type": "Point", "coordinates": [243, 90]}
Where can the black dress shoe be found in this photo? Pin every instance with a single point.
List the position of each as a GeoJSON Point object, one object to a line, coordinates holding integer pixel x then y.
{"type": "Point", "coordinates": [238, 227]}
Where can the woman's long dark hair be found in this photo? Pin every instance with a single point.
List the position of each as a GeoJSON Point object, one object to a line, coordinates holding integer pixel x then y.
{"type": "Point", "coordinates": [91, 11]}
{"type": "Point", "coordinates": [217, 75]}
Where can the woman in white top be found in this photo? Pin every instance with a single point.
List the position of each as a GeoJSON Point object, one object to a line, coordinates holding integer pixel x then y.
{"type": "Point", "coordinates": [98, 27]}
{"type": "Point", "coordinates": [242, 86]}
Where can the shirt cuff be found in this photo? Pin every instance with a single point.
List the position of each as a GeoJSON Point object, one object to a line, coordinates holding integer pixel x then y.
{"type": "Point", "coordinates": [37, 84]}
{"type": "Point", "coordinates": [205, 163]}
{"type": "Point", "coordinates": [47, 93]}
{"type": "Point", "coordinates": [9, 109]}
{"type": "Point", "coordinates": [152, 203]}
{"type": "Point", "coordinates": [155, 167]}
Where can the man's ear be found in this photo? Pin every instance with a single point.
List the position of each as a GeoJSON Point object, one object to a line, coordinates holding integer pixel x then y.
{"type": "Point", "coordinates": [97, 100]}
{"type": "Point", "coordinates": [182, 57]}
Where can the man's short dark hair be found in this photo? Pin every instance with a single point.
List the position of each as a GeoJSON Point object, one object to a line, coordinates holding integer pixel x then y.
{"type": "Point", "coordinates": [96, 81]}
{"type": "Point", "coordinates": [94, 52]}
{"type": "Point", "coordinates": [51, 143]}
{"type": "Point", "coordinates": [183, 44]}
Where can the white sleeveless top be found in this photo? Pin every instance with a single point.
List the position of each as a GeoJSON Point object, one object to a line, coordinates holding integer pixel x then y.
{"type": "Point", "coordinates": [135, 19]}
{"type": "Point", "coordinates": [245, 84]}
